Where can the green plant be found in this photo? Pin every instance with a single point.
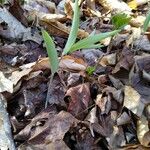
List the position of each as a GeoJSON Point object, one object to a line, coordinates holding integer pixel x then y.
{"type": "Point", "coordinates": [71, 46]}
{"type": "Point", "coordinates": [120, 20]}
{"type": "Point", "coordinates": [90, 70]}
{"type": "Point", "coordinates": [146, 22]}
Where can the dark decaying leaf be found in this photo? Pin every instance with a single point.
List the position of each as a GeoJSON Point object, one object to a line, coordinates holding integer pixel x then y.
{"type": "Point", "coordinates": [49, 132]}
{"type": "Point", "coordinates": [125, 61]}
{"type": "Point", "coordinates": [80, 100]}
{"type": "Point", "coordinates": [56, 92]}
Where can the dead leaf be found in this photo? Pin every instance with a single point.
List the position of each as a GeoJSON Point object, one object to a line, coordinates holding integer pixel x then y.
{"type": "Point", "coordinates": [16, 10]}
{"type": "Point", "coordinates": [56, 92]}
{"type": "Point", "coordinates": [126, 60]}
{"type": "Point", "coordinates": [132, 101]}
{"type": "Point", "coordinates": [58, 29]}
{"type": "Point", "coordinates": [72, 63]}
{"type": "Point", "coordinates": [104, 103]}
{"type": "Point", "coordinates": [80, 99]}
{"type": "Point", "coordinates": [116, 139]}
{"type": "Point", "coordinates": [108, 60]}
{"type": "Point", "coordinates": [124, 118]}
{"type": "Point", "coordinates": [142, 129]}
{"type": "Point", "coordinates": [116, 5]}
{"type": "Point", "coordinates": [5, 84]}
{"type": "Point", "coordinates": [51, 133]}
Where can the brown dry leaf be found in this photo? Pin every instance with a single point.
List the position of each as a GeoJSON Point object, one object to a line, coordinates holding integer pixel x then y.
{"type": "Point", "coordinates": [56, 92]}
{"type": "Point", "coordinates": [67, 63]}
{"type": "Point", "coordinates": [16, 10]}
{"type": "Point", "coordinates": [132, 101]}
{"type": "Point", "coordinates": [51, 133]}
{"type": "Point", "coordinates": [68, 8]}
{"type": "Point", "coordinates": [142, 130]}
{"type": "Point", "coordinates": [80, 99]}
{"type": "Point", "coordinates": [126, 60]}
{"type": "Point", "coordinates": [108, 60]}
{"type": "Point", "coordinates": [72, 63]}
{"type": "Point", "coordinates": [56, 28]}
{"type": "Point", "coordinates": [42, 64]}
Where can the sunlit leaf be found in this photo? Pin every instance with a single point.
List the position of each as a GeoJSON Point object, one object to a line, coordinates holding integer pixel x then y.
{"type": "Point", "coordinates": [51, 50]}
{"type": "Point", "coordinates": [91, 40]}
{"type": "Point", "coordinates": [146, 22]}
{"type": "Point", "coordinates": [74, 29]}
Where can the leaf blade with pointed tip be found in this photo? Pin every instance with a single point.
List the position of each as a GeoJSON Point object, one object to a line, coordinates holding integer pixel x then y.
{"type": "Point", "coordinates": [74, 29]}
{"type": "Point", "coordinates": [146, 22]}
{"type": "Point", "coordinates": [52, 52]}
{"type": "Point", "coordinates": [91, 40]}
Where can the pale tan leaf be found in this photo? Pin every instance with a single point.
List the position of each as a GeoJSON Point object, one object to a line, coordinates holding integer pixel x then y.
{"type": "Point", "coordinates": [142, 129]}
{"type": "Point", "coordinates": [5, 84]}
{"type": "Point", "coordinates": [132, 101]}
{"type": "Point", "coordinates": [108, 60]}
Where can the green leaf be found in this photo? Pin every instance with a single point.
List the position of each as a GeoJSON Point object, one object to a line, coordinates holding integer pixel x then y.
{"type": "Point", "coordinates": [146, 22]}
{"type": "Point", "coordinates": [90, 70]}
{"type": "Point", "coordinates": [120, 20]}
{"type": "Point", "coordinates": [74, 29]}
{"type": "Point", "coordinates": [91, 40]}
{"type": "Point", "coordinates": [52, 52]}
{"type": "Point", "coordinates": [92, 46]}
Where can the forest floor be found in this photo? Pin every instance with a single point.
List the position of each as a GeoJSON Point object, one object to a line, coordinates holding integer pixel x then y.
{"type": "Point", "coordinates": [99, 99]}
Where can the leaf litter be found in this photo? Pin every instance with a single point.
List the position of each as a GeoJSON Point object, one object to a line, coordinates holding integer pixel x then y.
{"type": "Point", "coordinates": [108, 108]}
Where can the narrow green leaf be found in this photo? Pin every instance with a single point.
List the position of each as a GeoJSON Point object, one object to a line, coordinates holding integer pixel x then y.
{"type": "Point", "coordinates": [52, 52]}
{"type": "Point", "coordinates": [74, 29]}
{"type": "Point", "coordinates": [91, 40]}
{"type": "Point", "coordinates": [146, 22]}
{"type": "Point", "coordinates": [93, 46]}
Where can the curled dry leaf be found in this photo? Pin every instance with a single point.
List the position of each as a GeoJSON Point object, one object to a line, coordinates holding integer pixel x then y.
{"type": "Point", "coordinates": [104, 103]}
{"type": "Point", "coordinates": [108, 60]}
{"type": "Point", "coordinates": [132, 101]}
{"type": "Point", "coordinates": [67, 63]}
{"type": "Point", "coordinates": [72, 63]}
{"type": "Point", "coordinates": [143, 131]}
{"type": "Point", "coordinates": [58, 29]}
{"type": "Point", "coordinates": [80, 99]}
